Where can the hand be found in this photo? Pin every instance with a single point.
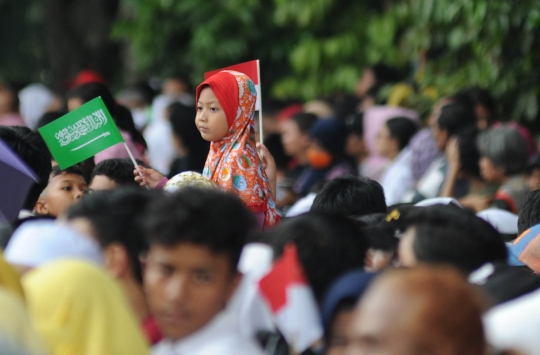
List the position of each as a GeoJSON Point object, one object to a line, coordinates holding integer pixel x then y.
{"type": "Point", "coordinates": [452, 153]}
{"type": "Point", "coordinates": [150, 178]}
{"type": "Point", "coordinates": [269, 165]}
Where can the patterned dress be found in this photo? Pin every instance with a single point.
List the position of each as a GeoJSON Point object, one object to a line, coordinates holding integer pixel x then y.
{"type": "Point", "coordinates": [233, 162]}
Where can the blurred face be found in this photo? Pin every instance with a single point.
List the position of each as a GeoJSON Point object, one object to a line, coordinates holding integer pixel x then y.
{"type": "Point", "coordinates": [74, 103]}
{"type": "Point", "coordinates": [356, 147]}
{"type": "Point", "coordinates": [490, 172]}
{"type": "Point", "coordinates": [383, 325]}
{"type": "Point", "coordinates": [102, 182]}
{"type": "Point", "coordinates": [440, 135]}
{"type": "Point", "coordinates": [385, 144]}
{"type": "Point", "coordinates": [406, 253]}
{"type": "Point", "coordinates": [294, 141]}
{"type": "Point", "coordinates": [339, 337]}
{"type": "Point", "coordinates": [62, 191]}
{"type": "Point", "coordinates": [210, 120]}
{"type": "Point", "coordinates": [534, 180]}
{"type": "Point", "coordinates": [187, 285]}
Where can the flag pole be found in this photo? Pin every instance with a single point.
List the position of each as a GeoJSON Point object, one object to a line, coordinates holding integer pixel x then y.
{"type": "Point", "coordinates": [134, 162]}
{"type": "Point", "coordinates": [260, 98]}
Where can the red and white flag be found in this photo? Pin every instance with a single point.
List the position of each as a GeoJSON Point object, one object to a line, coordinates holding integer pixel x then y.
{"type": "Point", "coordinates": [286, 290]}
{"type": "Point", "coordinates": [251, 69]}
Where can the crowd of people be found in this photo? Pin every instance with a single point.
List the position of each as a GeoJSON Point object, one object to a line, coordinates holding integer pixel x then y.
{"type": "Point", "coordinates": [406, 234]}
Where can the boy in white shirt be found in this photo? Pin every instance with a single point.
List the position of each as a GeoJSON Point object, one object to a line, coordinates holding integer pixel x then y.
{"type": "Point", "coordinates": [196, 237]}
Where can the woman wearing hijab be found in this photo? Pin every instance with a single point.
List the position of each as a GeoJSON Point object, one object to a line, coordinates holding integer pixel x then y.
{"type": "Point", "coordinates": [78, 309]}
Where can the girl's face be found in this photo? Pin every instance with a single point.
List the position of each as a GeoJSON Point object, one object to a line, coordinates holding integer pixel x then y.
{"type": "Point", "coordinates": [210, 120]}
{"type": "Point", "coordinates": [384, 142]}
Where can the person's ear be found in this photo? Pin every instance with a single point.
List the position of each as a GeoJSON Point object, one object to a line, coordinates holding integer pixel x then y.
{"type": "Point", "coordinates": [116, 260]}
{"type": "Point", "coordinates": [41, 207]}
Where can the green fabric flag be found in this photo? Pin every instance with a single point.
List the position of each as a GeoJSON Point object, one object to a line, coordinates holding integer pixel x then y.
{"type": "Point", "coordinates": [81, 134]}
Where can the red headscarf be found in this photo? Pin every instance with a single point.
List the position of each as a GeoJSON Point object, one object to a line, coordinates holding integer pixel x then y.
{"type": "Point", "coordinates": [233, 162]}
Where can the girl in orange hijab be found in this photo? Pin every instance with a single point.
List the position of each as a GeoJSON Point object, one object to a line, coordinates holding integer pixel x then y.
{"type": "Point", "coordinates": [225, 109]}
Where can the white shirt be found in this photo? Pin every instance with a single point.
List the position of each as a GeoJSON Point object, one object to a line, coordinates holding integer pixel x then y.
{"type": "Point", "coordinates": [514, 324]}
{"type": "Point", "coordinates": [398, 177]}
{"type": "Point", "coordinates": [219, 337]}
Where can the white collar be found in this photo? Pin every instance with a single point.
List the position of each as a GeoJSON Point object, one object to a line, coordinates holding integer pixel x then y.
{"type": "Point", "coordinates": [223, 324]}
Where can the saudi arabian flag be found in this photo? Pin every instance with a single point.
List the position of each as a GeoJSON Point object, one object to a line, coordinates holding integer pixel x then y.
{"type": "Point", "coordinates": [81, 134]}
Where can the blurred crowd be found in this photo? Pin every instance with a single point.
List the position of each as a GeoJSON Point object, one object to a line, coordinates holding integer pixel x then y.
{"type": "Point", "coordinates": [414, 232]}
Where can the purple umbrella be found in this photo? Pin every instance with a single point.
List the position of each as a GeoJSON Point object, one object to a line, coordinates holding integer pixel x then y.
{"type": "Point", "coordinates": [16, 178]}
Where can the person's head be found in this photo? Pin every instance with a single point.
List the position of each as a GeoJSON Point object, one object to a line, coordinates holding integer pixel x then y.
{"type": "Point", "coordinates": [115, 220]}
{"type": "Point", "coordinates": [452, 119]}
{"type": "Point", "coordinates": [469, 156]}
{"type": "Point", "coordinates": [350, 196]}
{"type": "Point", "coordinates": [327, 246]}
{"type": "Point", "coordinates": [80, 95]}
{"type": "Point", "coordinates": [176, 85]}
{"type": "Point", "coordinates": [64, 189]}
{"type": "Point", "coordinates": [112, 173]}
{"type": "Point", "coordinates": [449, 235]}
{"type": "Point", "coordinates": [418, 311]}
{"type": "Point", "coordinates": [195, 238]}
{"type": "Point", "coordinates": [327, 142]}
{"type": "Point", "coordinates": [395, 135]}
{"type": "Point", "coordinates": [9, 98]}
{"type": "Point", "coordinates": [186, 136]}
{"type": "Point", "coordinates": [534, 173]}
{"type": "Point", "coordinates": [503, 152]}
{"type": "Point", "coordinates": [295, 134]}
{"type": "Point", "coordinates": [529, 215]}
{"type": "Point", "coordinates": [49, 117]}
{"type": "Point", "coordinates": [337, 308]}
{"type": "Point", "coordinates": [374, 77]}
{"type": "Point", "coordinates": [356, 145]}
{"type": "Point", "coordinates": [483, 103]}
{"type": "Point", "coordinates": [219, 107]}
{"type": "Point", "coordinates": [31, 148]}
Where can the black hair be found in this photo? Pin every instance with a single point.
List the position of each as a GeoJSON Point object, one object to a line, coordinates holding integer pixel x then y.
{"type": "Point", "coordinates": [327, 246]}
{"type": "Point", "coordinates": [182, 120]}
{"type": "Point", "coordinates": [90, 91]}
{"type": "Point", "coordinates": [469, 155]}
{"type": "Point", "coordinates": [380, 234]}
{"type": "Point", "coordinates": [124, 121]}
{"type": "Point", "coordinates": [454, 117]}
{"type": "Point", "coordinates": [475, 95]}
{"type": "Point", "coordinates": [529, 215]}
{"type": "Point", "coordinates": [402, 129]}
{"type": "Point", "coordinates": [207, 217]}
{"type": "Point", "coordinates": [49, 117]}
{"type": "Point", "coordinates": [304, 121]}
{"type": "Point", "coordinates": [356, 124]}
{"type": "Point", "coordinates": [13, 89]}
{"type": "Point", "coordinates": [534, 163]}
{"type": "Point", "coordinates": [74, 169]}
{"type": "Point", "coordinates": [117, 217]}
{"type": "Point", "coordinates": [275, 147]}
{"type": "Point", "coordinates": [120, 170]}
{"type": "Point", "coordinates": [385, 74]}
{"type": "Point", "coordinates": [451, 235]}
{"type": "Point", "coordinates": [350, 196]}
{"type": "Point", "coordinates": [31, 148]}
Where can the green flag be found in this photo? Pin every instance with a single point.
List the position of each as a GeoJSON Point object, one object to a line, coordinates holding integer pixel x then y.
{"type": "Point", "coordinates": [81, 134]}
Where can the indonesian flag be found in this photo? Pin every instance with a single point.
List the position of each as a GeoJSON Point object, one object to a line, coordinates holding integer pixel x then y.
{"type": "Point", "coordinates": [251, 69]}
{"type": "Point", "coordinates": [286, 291]}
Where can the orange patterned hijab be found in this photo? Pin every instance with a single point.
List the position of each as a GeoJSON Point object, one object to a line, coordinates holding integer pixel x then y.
{"type": "Point", "coordinates": [233, 162]}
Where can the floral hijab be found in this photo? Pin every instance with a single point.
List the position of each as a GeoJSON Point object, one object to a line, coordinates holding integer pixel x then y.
{"type": "Point", "coordinates": [233, 162]}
